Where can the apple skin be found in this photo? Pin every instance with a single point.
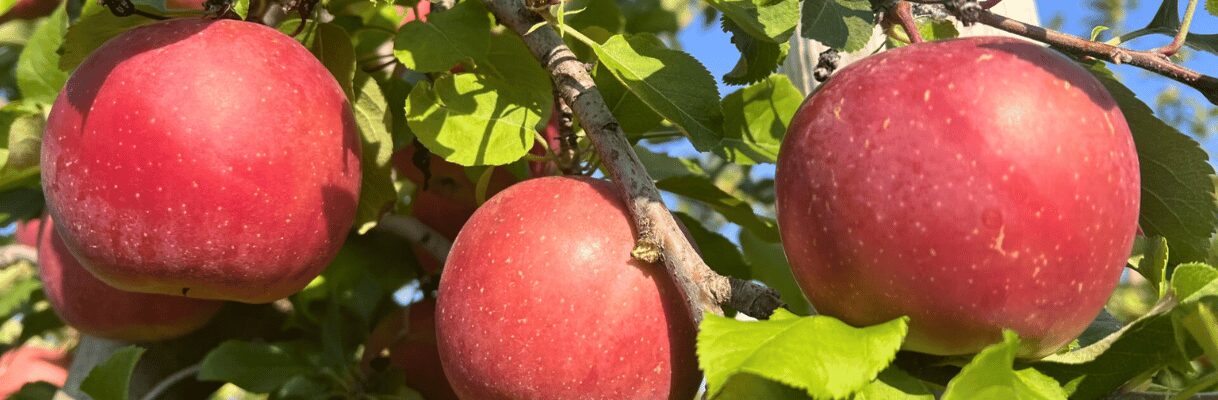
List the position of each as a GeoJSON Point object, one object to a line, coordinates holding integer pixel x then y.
{"type": "Point", "coordinates": [540, 299]}
{"type": "Point", "coordinates": [27, 232]}
{"type": "Point", "coordinates": [30, 9]}
{"type": "Point", "coordinates": [94, 308]}
{"type": "Point", "coordinates": [28, 364]}
{"type": "Point", "coordinates": [973, 185]}
{"type": "Point", "coordinates": [177, 161]}
{"type": "Point", "coordinates": [449, 199]}
{"type": "Point", "coordinates": [409, 335]}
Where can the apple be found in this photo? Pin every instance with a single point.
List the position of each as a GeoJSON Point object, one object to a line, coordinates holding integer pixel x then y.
{"type": "Point", "coordinates": [409, 335]}
{"type": "Point", "coordinates": [27, 232]}
{"type": "Point", "coordinates": [27, 364]}
{"type": "Point", "coordinates": [30, 9]}
{"type": "Point", "coordinates": [540, 299]}
{"type": "Point", "coordinates": [972, 184]}
{"type": "Point", "coordinates": [449, 198]}
{"type": "Point", "coordinates": [178, 161]}
{"type": "Point", "coordinates": [92, 307]}
{"type": "Point", "coordinates": [551, 134]}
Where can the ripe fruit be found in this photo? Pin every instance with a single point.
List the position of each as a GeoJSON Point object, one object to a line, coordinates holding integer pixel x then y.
{"type": "Point", "coordinates": [178, 161]}
{"type": "Point", "coordinates": [448, 200]}
{"type": "Point", "coordinates": [540, 299]}
{"type": "Point", "coordinates": [27, 364]}
{"type": "Point", "coordinates": [30, 9]}
{"type": "Point", "coordinates": [94, 308]}
{"type": "Point", "coordinates": [410, 336]}
{"type": "Point", "coordinates": [973, 185]}
{"type": "Point", "coordinates": [27, 232]}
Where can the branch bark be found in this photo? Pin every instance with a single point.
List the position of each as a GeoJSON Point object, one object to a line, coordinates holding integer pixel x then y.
{"type": "Point", "coordinates": [1149, 60]}
{"type": "Point", "coordinates": [418, 233]}
{"type": "Point", "coordinates": [659, 237]}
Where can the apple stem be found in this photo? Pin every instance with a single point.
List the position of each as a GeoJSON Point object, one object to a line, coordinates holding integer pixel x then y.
{"type": "Point", "coordinates": [124, 8]}
{"type": "Point", "coordinates": [1178, 41]}
{"type": "Point", "coordinates": [13, 253]}
{"type": "Point", "coordinates": [902, 13]}
{"type": "Point", "coordinates": [702, 289]}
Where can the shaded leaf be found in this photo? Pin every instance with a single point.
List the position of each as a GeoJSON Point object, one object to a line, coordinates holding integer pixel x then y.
{"type": "Point", "coordinates": [992, 375]}
{"type": "Point", "coordinates": [474, 120]}
{"type": "Point", "coordinates": [38, 75]}
{"type": "Point", "coordinates": [841, 24]}
{"type": "Point", "coordinates": [461, 34]}
{"type": "Point", "coordinates": [377, 193]}
{"type": "Point", "coordinates": [735, 210]}
{"type": "Point", "coordinates": [110, 379]}
{"type": "Point", "coordinates": [256, 367]}
{"type": "Point", "coordinates": [755, 120]}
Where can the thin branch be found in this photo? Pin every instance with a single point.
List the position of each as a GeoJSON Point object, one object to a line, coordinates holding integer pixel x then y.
{"type": "Point", "coordinates": [1178, 42]}
{"type": "Point", "coordinates": [17, 252]}
{"type": "Point", "coordinates": [1148, 60]}
{"type": "Point", "coordinates": [160, 388]}
{"type": "Point", "coordinates": [418, 233]}
{"type": "Point", "coordinates": [659, 237]}
{"type": "Point", "coordinates": [902, 12]}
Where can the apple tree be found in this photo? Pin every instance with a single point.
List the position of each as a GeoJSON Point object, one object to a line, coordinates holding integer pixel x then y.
{"type": "Point", "coordinates": [547, 199]}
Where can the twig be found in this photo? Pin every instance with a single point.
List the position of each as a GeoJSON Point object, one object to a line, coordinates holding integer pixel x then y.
{"type": "Point", "coordinates": [418, 233]}
{"type": "Point", "coordinates": [169, 381]}
{"type": "Point", "coordinates": [1177, 42]}
{"type": "Point", "coordinates": [1148, 60]}
{"type": "Point", "coordinates": [17, 252]}
{"type": "Point", "coordinates": [659, 238]}
{"type": "Point", "coordinates": [902, 12]}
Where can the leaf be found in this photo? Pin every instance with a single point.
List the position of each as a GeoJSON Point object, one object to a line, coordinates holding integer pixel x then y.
{"type": "Point", "coordinates": [1177, 193]}
{"type": "Point", "coordinates": [1103, 325]}
{"type": "Point", "coordinates": [331, 45]}
{"type": "Point", "coordinates": [16, 293]}
{"type": "Point", "coordinates": [38, 76]}
{"type": "Point", "coordinates": [6, 5]}
{"type": "Point", "coordinates": [95, 26]}
{"type": "Point", "coordinates": [20, 204]}
{"type": "Point", "coordinates": [377, 193]}
{"type": "Point", "coordinates": [461, 34]}
{"type": "Point", "coordinates": [242, 8]}
{"type": "Point", "coordinates": [655, 16]}
{"type": "Point", "coordinates": [1167, 21]}
{"type": "Point", "coordinates": [930, 29]}
{"type": "Point", "coordinates": [1212, 7]}
{"type": "Point", "coordinates": [662, 166]}
{"type": "Point", "coordinates": [21, 132]}
{"type": "Point", "coordinates": [771, 21]}
{"type": "Point", "coordinates": [1192, 279]}
{"type": "Point", "coordinates": [1095, 32]}
{"type": "Point", "coordinates": [40, 390]}
{"type": "Point", "coordinates": [110, 379]}
{"type": "Point", "coordinates": [472, 120]}
{"type": "Point", "coordinates": [1142, 347]}
{"type": "Point", "coordinates": [895, 384]}
{"type": "Point", "coordinates": [718, 252]}
{"type": "Point", "coordinates": [748, 386]}
{"type": "Point", "coordinates": [737, 211]}
{"type": "Point", "coordinates": [633, 115]}
{"type": "Point", "coordinates": [769, 265]}
{"type": "Point", "coordinates": [758, 58]}
{"type": "Point", "coordinates": [256, 367]}
{"type": "Point", "coordinates": [846, 25]}
{"type": "Point", "coordinates": [509, 60]}
{"type": "Point", "coordinates": [600, 13]}
{"type": "Point", "coordinates": [671, 82]}
{"type": "Point", "coordinates": [755, 120]}
{"type": "Point", "coordinates": [820, 355]}
{"type": "Point", "coordinates": [1149, 259]}
{"type": "Point", "coordinates": [992, 375]}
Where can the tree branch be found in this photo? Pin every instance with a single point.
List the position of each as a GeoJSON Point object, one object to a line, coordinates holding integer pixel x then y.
{"type": "Point", "coordinates": [17, 252]}
{"type": "Point", "coordinates": [659, 237]}
{"type": "Point", "coordinates": [1149, 60]}
{"type": "Point", "coordinates": [418, 233]}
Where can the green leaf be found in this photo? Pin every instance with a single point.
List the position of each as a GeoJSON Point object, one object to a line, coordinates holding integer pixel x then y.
{"type": "Point", "coordinates": [1177, 193]}
{"type": "Point", "coordinates": [992, 375]}
{"type": "Point", "coordinates": [600, 13]}
{"type": "Point", "coordinates": [1199, 320]}
{"type": "Point", "coordinates": [820, 355]}
{"type": "Point", "coordinates": [470, 119]}
{"type": "Point", "coordinates": [1095, 32]}
{"type": "Point", "coordinates": [895, 384]}
{"type": "Point", "coordinates": [671, 82]}
{"type": "Point", "coordinates": [110, 379]}
{"type": "Point", "coordinates": [771, 21]}
{"type": "Point", "coordinates": [718, 252]}
{"type": "Point", "coordinates": [6, 5]}
{"type": "Point", "coordinates": [1212, 7]}
{"type": "Point", "coordinates": [377, 193]}
{"type": "Point", "coordinates": [331, 45]}
{"type": "Point", "coordinates": [17, 290]}
{"type": "Point", "coordinates": [20, 204]}
{"type": "Point", "coordinates": [1140, 348]}
{"type": "Point", "coordinates": [40, 390]}
{"type": "Point", "coordinates": [770, 266]}
{"type": "Point", "coordinates": [633, 115]}
{"type": "Point", "coordinates": [1194, 280]}
{"type": "Point", "coordinates": [461, 34]}
{"type": "Point", "coordinates": [38, 76]}
{"type": "Point", "coordinates": [1167, 21]}
{"type": "Point", "coordinates": [841, 24]}
{"type": "Point", "coordinates": [655, 16]}
{"type": "Point", "coordinates": [737, 211]}
{"type": "Point", "coordinates": [1149, 259]}
{"type": "Point", "coordinates": [758, 58]}
{"type": "Point", "coordinates": [509, 60]}
{"type": "Point", "coordinates": [662, 166]}
{"type": "Point", "coordinates": [256, 367]}
{"type": "Point", "coordinates": [242, 8]}
{"type": "Point", "coordinates": [930, 29]}
{"type": "Point", "coordinates": [755, 120]}
{"type": "Point", "coordinates": [95, 26]}
{"type": "Point", "coordinates": [748, 386]}
{"type": "Point", "coordinates": [21, 128]}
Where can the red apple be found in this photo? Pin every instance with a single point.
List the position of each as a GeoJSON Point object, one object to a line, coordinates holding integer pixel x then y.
{"type": "Point", "coordinates": [540, 299]}
{"type": "Point", "coordinates": [94, 308]}
{"type": "Point", "coordinates": [27, 232]}
{"type": "Point", "coordinates": [972, 185]}
{"type": "Point", "coordinates": [30, 9]}
{"type": "Point", "coordinates": [417, 13]}
{"type": "Point", "coordinates": [178, 161]}
{"type": "Point", "coordinates": [410, 336]}
{"type": "Point", "coordinates": [449, 198]}
{"type": "Point", "coordinates": [551, 134]}
{"type": "Point", "coordinates": [28, 364]}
